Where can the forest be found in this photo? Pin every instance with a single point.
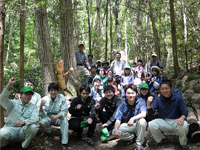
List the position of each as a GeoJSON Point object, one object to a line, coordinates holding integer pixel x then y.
{"type": "Point", "coordinates": [36, 33]}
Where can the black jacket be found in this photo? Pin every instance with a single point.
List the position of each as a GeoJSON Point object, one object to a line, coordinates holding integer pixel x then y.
{"type": "Point", "coordinates": [110, 107]}
{"type": "Point", "coordinates": [87, 110]}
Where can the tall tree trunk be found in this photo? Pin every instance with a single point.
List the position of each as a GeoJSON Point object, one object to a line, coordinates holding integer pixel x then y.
{"type": "Point", "coordinates": [44, 46]}
{"type": "Point", "coordinates": [155, 32]}
{"type": "Point", "coordinates": [22, 38]}
{"type": "Point", "coordinates": [111, 39]}
{"type": "Point", "coordinates": [185, 33]}
{"type": "Point", "coordinates": [89, 25]}
{"type": "Point", "coordinates": [2, 28]}
{"type": "Point", "coordinates": [133, 34]}
{"type": "Point", "coordinates": [138, 27]}
{"type": "Point", "coordinates": [125, 28]}
{"type": "Point", "coordinates": [98, 50]}
{"type": "Point", "coordinates": [106, 46]}
{"type": "Point", "coordinates": [174, 41]}
{"type": "Point", "coordinates": [67, 45]}
{"type": "Point", "coordinates": [83, 29]}
{"type": "Point", "coordinates": [117, 28]}
{"type": "Point", "coordinates": [76, 23]}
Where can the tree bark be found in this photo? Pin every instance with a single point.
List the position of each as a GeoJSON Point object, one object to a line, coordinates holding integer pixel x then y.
{"type": "Point", "coordinates": [44, 46]}
{"type": "Point", "coordinates": [89, 24]}
{"type": "Point", "coordinates": [111, 39]}
{"type": "Point", "coordinates": [2, 29]}
{"type": "Point", "coordinates": [185, 33]}
{"type": "Point", "coordinates": [106, 46]}
{"type": "Point", "coordinates": [117, 28]}
{"type": "Point", "coordinates": [174, 41]}
{"type": "Point", "coordinates": [22, 38]}
{"type": "Point", "coordinates": [98, 50]}
{"type": "Point", "coordinates": [155, 32]}
{"type": "Point", "coordinates": [76, 23]}
{"type": "Point", "coordinates": [67, 46]}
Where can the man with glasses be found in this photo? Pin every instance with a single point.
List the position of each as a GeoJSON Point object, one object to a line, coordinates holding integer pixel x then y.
{"type": "Point", "coordinates": [110, 103]}
{"type": "Point", "coordinates": [22, 116]}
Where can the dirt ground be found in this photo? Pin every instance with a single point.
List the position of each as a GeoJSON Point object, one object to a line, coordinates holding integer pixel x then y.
{"type": "Point", "coordinates": [40, 142]}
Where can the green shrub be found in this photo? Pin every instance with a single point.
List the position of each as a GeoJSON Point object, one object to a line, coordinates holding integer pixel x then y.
{"type": "Point", "coordinates": [190, 77]}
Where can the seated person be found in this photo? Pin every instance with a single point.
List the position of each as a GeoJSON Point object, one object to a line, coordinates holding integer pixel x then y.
{"type": "Point", "coordinates": [145, 94]}
{"type": "Point", "coordinates": [106, 67]}
{"type": "Point", "coordinates": [145, 76]}
{"type": "Point", "coordinates": [110, 74]}
{"type": "Point", "coordinates": [36, 98]}
{"type": "Point", "coordinates": [99, 66]}
{"type": "Point", "coordinates": [155, 80]}
{"type": "Point", "coordinates": [95, 91]}
{"type": "Point", "coordinates": [138, 78]}
{"type": "Point", "coordinates": [126, 79]}
{"type": "Point", "coordinates": [110, 103]}
{"type": "Point", "coordinates": [172, 111]}
{"type": "Point", "coordinates": [133, 68]}
{"type": "Point", "coordinates": [83, 107]}
{"type": "Point", "coordinates": [130, 118]}
{"type": "Point", "coordinates": [102, 78]}
{"type": "Point", "coordinates": [53, 111]}
{"type": "Point", "coordinates": [22, 117]}
{"type": "Point", "coordinates": [111, 82]}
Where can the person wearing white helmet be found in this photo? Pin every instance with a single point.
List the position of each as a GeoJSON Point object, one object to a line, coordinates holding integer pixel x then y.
{"type": "Point", "coordinates": [154, 62]}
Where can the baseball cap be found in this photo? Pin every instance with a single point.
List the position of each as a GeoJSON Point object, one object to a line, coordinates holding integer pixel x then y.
{"type": "Point", "coordinates": [27, 89]}
{"type": "Point", "coordinates": [154, 55]}
{"type": "Point", "coordinates": [144, 85]}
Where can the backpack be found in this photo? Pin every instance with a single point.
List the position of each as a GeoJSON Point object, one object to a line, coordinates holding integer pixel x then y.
{"type": "Point", "coordinates": [156, 64]}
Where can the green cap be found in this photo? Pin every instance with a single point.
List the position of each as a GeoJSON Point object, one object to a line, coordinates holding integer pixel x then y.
{"type": "Point", "coordinates": [27, 89]}
{"type": "Point", "coordinates": [127, 67]}
{"type": "Point", "coordinates": [105, 134]}
{"type": "Point", "coordinates": [144, 85]}
{"type": "Point", "coordinates": [84, 123]}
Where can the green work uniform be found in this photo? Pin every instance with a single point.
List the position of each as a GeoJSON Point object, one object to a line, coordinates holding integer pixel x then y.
{"type": "Point", "coordinates": [17, 111]}
{"type": "Point", "coordinates": [57, 107]}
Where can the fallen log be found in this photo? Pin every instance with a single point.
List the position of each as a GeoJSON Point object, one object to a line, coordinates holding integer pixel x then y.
{"type": "Point", "coordinates": [192, 120]}
{"type": "Point", "coordinates": [195, 137]}
{"type": "Point", "coordinates": [198, 114]}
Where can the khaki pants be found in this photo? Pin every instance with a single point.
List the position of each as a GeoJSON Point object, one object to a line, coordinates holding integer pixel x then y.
{"type": "Point", "coordinates": [63, 123]}
{"type": "Point", "coordinates": [138, 128]}
{"type": "Point", "coordinates": [83, 71]}
{"type": "Point", "coordinates": [18, 134]}
{"type": "Point", "coordinates": [157, 126]}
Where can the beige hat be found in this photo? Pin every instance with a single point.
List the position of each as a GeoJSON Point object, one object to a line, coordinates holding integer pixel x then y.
{"type": "Point", "coordinates": [154, 55]}
{"type": "Point", "coordinates": [156, 67]}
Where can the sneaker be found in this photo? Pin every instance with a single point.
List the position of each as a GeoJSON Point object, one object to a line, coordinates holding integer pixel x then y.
{"type": "Point", "coordinates": [139, 147]}
{"type": "Point", "coordinates": [163, 141]}
{"type": "Point", "coordinates": [64, 147]}
{"type": "Point", "coordinates": [90, 141]}
{"type": "Point", "coordinates": [184, 147]}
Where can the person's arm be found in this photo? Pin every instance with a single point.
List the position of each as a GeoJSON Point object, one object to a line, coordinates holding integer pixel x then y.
{"type": "Point", "coordinates": [4, 101]}
{"type": "Point", "coordinates": [92, 111]}
{"type": "Point", "coordinates": [116, 128]}
{"type": "Point", "coordinates": [64, 108]}
{"type": "Point", "coordinates": [139, 116]}
{"type": "Point", "coordinates": [112, 119]}
{"type": "Point", "coordinates": [160, 66]}
{"type": "Point", "coordinates": [75, 108]}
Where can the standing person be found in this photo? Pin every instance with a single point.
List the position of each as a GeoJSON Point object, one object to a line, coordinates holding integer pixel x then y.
{"type": "Point", "coordinates": [22, 117]}
{"type": "Point", "coordinates": [130, 118]}
{"type": "Point", "coordinates": [172, 111]}
{"type": "Point", "coordinates": [156, 78]}
{"type": "Point", "coordinates": [36, 98]}
{"type": "Point", "coordinates": [83, 107]}
{"type": "Point", "coordinates": [91, 63]}
{"type": "Point", "coordinates": [110, 103]}
{"type": "Point", "coordinates": [81, 60]}
{"type": "Point", "coordinates": [117, 66]}
{"type": "Point", "coordinates": [140, 66]}
{"type": "Point", "coordinates": [53, 111]}
{"type": "Point", "coordinates": [126, 79]}
{"type": "Point", "coordinates": [155, 62]}
{"type": "Point", "coordinates": [105, 65]}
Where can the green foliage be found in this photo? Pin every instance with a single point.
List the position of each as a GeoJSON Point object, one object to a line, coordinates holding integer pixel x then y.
{"type": "Point", "coordinates": [190, 77]}
{"type": "Point", "coordinates": [178, 84]}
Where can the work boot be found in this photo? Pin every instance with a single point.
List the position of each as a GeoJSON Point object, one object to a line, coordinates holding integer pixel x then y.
{"type": "Point", "coordinates": [90, 141]}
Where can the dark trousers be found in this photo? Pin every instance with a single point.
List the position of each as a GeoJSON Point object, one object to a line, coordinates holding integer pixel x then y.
{"type": "Point", "coordinates": [75, 125]}
{"type": "Point", "coordinates": [104, 117]}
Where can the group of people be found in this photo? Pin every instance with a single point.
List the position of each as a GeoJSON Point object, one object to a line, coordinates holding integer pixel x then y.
{"type": "Point", "coordinates": [125, 116]}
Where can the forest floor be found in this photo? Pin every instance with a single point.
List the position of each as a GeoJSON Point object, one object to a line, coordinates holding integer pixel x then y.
{"type": "Point", "coordinates": [40, 142]}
